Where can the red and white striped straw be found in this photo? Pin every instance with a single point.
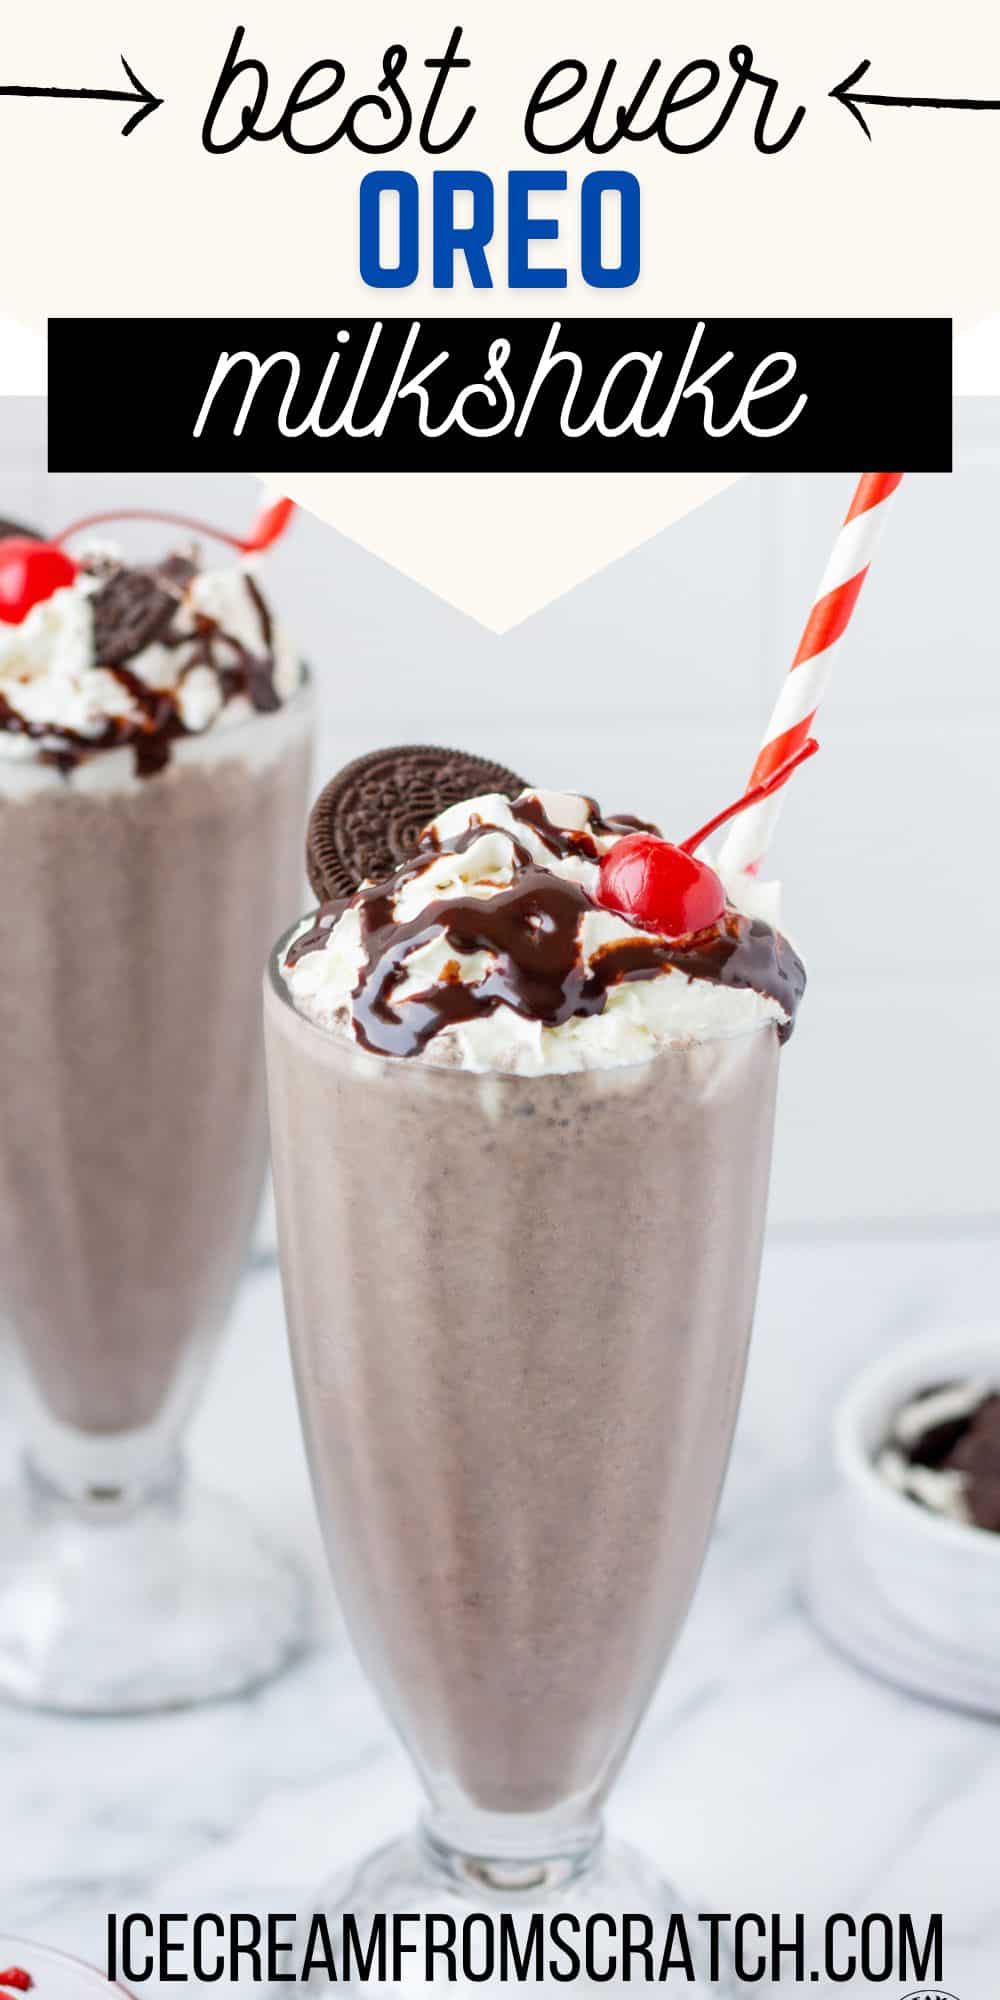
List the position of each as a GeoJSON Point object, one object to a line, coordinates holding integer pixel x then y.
{"type": "Point", "coordinates": [805, 684]}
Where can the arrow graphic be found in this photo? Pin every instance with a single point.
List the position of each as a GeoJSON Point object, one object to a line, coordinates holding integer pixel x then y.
{"type": "Point", "coordinates": [139, 96]}
{"type": "Point", "coordinates": [845, 93]}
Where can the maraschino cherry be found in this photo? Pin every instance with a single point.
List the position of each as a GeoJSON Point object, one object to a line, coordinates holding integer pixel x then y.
{"type": "Point", "coordinates": [664, 888]}
{"type": "Point", "coordinates": [31, 571]}
{"type": "Point", "coordinates": [659, 886]}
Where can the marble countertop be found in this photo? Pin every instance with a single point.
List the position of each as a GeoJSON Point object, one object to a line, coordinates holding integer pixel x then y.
{"type": "Point", "coordinates": [770, 1773]}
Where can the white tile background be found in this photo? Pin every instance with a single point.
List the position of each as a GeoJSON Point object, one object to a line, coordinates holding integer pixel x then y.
{"type": "Point", "coordinates": [649, 686]}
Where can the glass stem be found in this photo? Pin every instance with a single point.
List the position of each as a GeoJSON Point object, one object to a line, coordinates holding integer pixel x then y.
{"type": "Point", "coordinates": [512, 1852]}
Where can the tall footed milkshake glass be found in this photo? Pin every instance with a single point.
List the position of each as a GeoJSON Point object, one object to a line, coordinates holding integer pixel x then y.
{"type": "Point", "coordinates": [154, 757]}
{"type": "Point", "coordinates": [521, 1152]}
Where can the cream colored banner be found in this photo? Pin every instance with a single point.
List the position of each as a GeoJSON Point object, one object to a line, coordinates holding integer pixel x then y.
{"type": "Point", "coordinates": [895, 219]}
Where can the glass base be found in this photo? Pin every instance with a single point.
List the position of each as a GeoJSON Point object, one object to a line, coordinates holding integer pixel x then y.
{"type": "Point", "coordinates": [116, 1609]}
{"type": "Point", "coordinates": [420, 1877]}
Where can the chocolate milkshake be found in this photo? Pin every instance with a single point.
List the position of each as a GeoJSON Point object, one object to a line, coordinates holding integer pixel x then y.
{"type": "Point", "coordinates": [154, 754]}
{"type": "Point", "coordinates": [521, 1148]}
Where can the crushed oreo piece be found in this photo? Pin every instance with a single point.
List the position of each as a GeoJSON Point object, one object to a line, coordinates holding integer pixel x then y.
{"type": "Point", "coordinates": [976, 1457]}
{"type": "Point", "coordinates": [943, 1451]}
{"type": "Point", "coordinates": [134, 607]}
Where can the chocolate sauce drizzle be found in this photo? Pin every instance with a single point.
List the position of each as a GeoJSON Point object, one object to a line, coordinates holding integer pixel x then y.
{"type": "Point", "coordinates": [132, 609]}
{"type": "Point", "coordinates": [532, 932]}
{"type": "Point", "coordinates": [565, 842]}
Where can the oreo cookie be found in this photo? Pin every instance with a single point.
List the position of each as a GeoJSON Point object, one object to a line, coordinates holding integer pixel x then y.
{"type": "Point", "coordinates": [134, 607]}
{"type": "Point", "coordinates": [16, 531]}
{"type": "Point", "coordinates": [976, 1456]}
{"type": "Point", "coordinates": [370, 816]}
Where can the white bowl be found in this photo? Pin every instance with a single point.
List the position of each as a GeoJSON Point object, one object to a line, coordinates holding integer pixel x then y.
{"type": "Point", "coordinates": [55, 1975]}
{"type": "Point", "coordinates": [941, 1576]}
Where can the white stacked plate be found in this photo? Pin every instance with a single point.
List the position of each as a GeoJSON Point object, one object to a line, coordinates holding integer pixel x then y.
{"type": "Point", "coordinates": [908, 1594]}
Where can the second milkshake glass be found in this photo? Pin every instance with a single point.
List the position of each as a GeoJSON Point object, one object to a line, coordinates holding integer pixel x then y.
{"type": "Point", "coordinates": [519, 1311]}
{"type": "Point", "coordinates": [135, 914]}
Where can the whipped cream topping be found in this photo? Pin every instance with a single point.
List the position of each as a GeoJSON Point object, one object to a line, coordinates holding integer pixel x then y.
{"type": "Point", "coordinates": [488, 951]}
{"type": "Point", "coordinates": [140, 655]}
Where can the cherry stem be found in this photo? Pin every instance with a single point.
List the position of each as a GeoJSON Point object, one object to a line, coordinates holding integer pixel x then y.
{"type": "Point", "coordinates": [273, 518]}
{"type": "Point", "coordinates": [146, 514]}
{"type": "Point", "coordinates": [762, 791]}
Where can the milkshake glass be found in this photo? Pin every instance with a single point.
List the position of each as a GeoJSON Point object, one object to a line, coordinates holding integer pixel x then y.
{"type": "Point", "coordinates": [132, 1154]}
{"type": "Point", "coordinates": [519, 1307]}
